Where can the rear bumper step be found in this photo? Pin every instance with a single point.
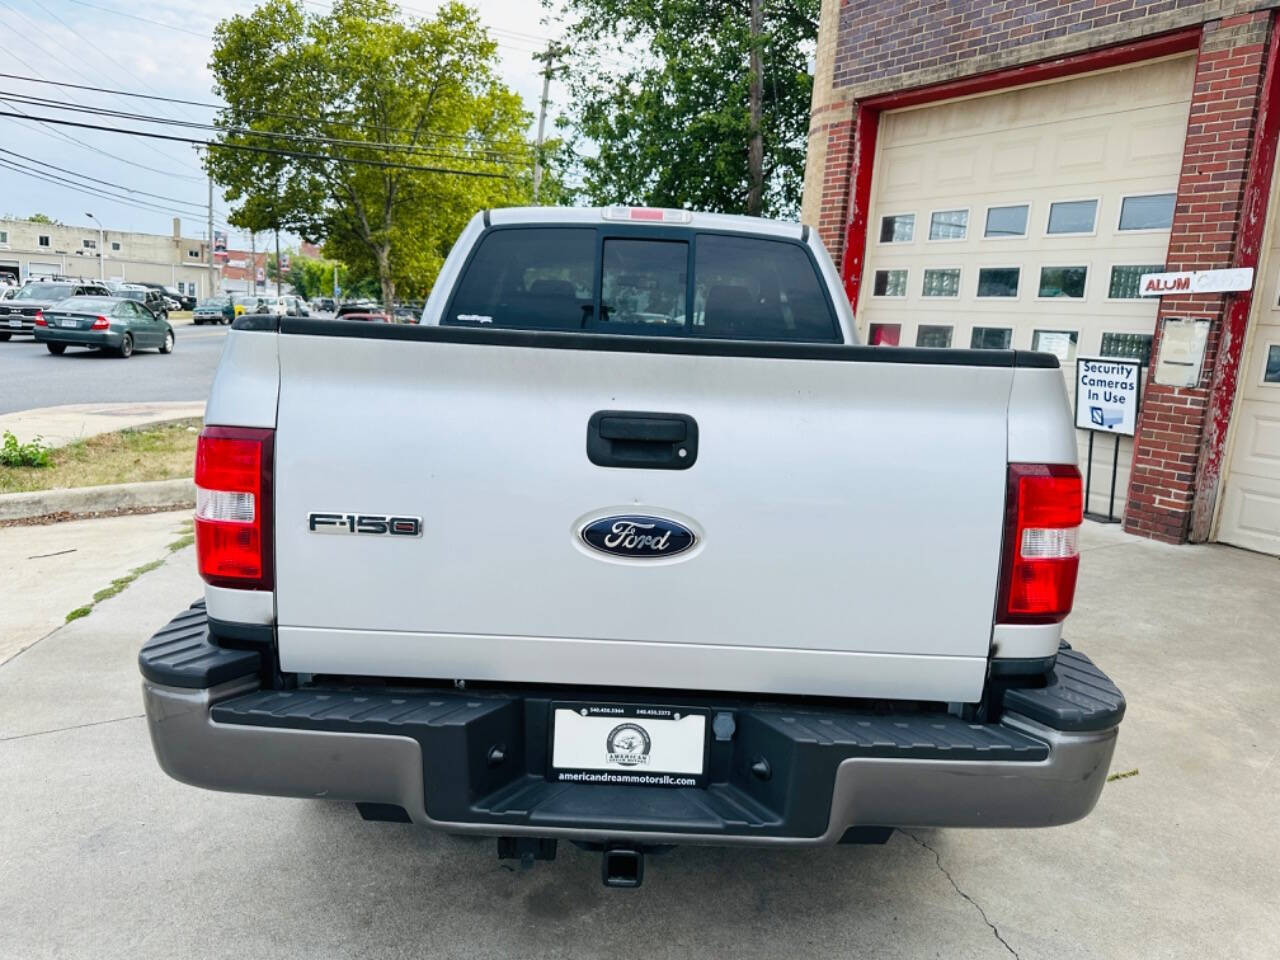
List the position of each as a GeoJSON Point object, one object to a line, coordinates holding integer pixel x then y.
{"type": "Point", "coordinates": [476, 762]}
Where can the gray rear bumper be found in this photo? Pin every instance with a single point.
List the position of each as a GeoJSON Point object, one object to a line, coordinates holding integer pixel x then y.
{"type": "Point", "coordinates": [898, 791]}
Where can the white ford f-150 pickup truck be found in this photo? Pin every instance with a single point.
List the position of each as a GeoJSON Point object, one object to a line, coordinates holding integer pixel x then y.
{"type": "Point", "coordinates": [628, 542]}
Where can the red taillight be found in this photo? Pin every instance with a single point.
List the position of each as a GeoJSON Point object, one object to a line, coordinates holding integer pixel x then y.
{"type": "Point", "coordinates": [40, 320]}
{"type": "Point", "coordinates": [1043, 511]}
{"type": "Point", "coordinates": [233, 506]}
{"type": "Point", "coordinates": [100, 323]}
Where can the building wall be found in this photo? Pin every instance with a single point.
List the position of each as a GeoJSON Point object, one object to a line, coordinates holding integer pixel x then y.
{"type": "Point", "coordinates": [881, 51]}
{"type": "Point", "coordinates": [73, 251]}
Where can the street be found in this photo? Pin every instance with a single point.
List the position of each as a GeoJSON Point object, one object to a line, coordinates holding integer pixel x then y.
{"type": "Point", "coordinates": [102, 855]}
{"type": "Point", "coordinates": [30, 376]}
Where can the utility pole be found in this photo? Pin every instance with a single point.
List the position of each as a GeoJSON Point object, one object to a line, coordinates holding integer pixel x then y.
{"type": "Point", "coordinates": [335, 284]}
{"type": "Point", "coordinates": [554, 50]}
{"type": "Point", "coordinates": [755, 96]}
{"type": "Point", "coordinates": [213, 287]}
{"type": "Point", "coordinates": [102, 247]}
{"type": "Point", "coordinates": [277, 261]}
{"type": "Point", "coordinates": [253, 263]}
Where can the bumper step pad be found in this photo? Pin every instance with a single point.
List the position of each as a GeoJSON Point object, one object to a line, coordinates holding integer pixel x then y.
{"type": "Point", "coordinates": [1076, 696]}
{"type": "Point", "coordinates": [183, 654]}
{"type": "Point", "coordinates": [461, 733]}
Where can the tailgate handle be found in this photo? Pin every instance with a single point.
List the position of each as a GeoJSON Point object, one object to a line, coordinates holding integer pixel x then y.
{"type": "Point", "coordinates": [642, 441]}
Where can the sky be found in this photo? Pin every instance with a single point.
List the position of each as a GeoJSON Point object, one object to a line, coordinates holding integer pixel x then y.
{"type": "Point", "coordinates": [158, 47]}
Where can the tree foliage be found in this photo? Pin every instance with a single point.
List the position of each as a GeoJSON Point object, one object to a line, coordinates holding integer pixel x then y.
{"type": "Point", "coordinates": [418, 93]}
{"type": "Point", "coordinates": [673, 129]}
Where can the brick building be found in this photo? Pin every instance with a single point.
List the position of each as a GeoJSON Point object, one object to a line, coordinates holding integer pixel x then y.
{"type": "Point", "coordinates": [1001, 173]}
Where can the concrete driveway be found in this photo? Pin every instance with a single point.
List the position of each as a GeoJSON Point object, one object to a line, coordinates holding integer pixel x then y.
{"type": "Point", "coordinates": [102, 856]}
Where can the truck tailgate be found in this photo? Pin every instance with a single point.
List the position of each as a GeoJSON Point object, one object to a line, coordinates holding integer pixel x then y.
{"type": "Point", "coordinates": [848, 516]}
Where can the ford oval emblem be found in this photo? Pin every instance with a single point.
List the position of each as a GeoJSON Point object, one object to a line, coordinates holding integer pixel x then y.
{"type": "Point", "coordinates": [639, 537]}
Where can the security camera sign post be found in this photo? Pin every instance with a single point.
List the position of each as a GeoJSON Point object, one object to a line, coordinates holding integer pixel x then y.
{"type": "Point", "coordinates": [1108, 396]}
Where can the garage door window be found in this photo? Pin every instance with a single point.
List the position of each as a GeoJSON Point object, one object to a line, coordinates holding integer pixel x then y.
{"type": "Point", "coordinates": [1063, 283]}
{"type": "Point", "coordinates": [1061, 343]}
{"type": "Point", "coordinates": [941, 283]}
{"type": "Point", "coordinates": [885, 334]}
{"type": "Point", "coordinates": [890, 283]}
{"type": "Point", "coordinates": [997, 282]}
{"type": "Point", "coordinates": [898, 228]}
{"type": "Point", "coordinates": [1151, 212]}
{"type": "Point", "coordinates": [1072, 217]}
{"type": "Point", "coordinates": [931, 336]}
{"type": "Point", "coordinates": [1125, 279]}
{"type": "Point", "coordinates": [1271, 373]}
{"type": "Point", "coordinates": [1134, 346]}
{"type": "Point", "coordinates": [1004, 222]}
{"type": "Point", "coordinates": [991, 338]}
{"type": "Point", "coordinates": [949, 225]}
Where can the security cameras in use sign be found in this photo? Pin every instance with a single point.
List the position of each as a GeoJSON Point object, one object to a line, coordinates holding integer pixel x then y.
{"type": "Point", "coordinates": [1107, 394]}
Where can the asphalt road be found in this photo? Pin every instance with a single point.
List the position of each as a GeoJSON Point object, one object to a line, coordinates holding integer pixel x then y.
{"type": "Point", "coordinates": [102, 856]}
{"type": "Point", "coordinates": [32, 377]}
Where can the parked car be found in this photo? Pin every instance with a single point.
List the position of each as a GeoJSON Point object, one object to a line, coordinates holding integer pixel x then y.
{"type": "Point", "coordinates": [406, 314]}
{"type": "Point", "coordinates": [170, 304]}
{"type": "Point", "coordinates": [185, 301]}
{"type": "Point", "coordinates": [213, 310]}
{"type": "Point", "coordinates": [118, 324]}
{"type": "Point", "coordinates": [373, 316]}
{"type": "Point", "coordinates": [356, 306]}
{"type": "Point", "coordinates": [326, 305]}
{"type": "Point", "coordinates": [246, 303]}
{"type": "Point", "coordinates": [759, 584]}
{"type": "Point", "coordinates": [149, 297]}
{"type": "Point", "coordinates": [294, 306]}
{"type": "Point", "coordinates": [21, 312]}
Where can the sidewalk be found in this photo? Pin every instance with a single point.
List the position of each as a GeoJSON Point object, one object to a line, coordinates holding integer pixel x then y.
{"type": "Point", "coordinates": [63, 424]}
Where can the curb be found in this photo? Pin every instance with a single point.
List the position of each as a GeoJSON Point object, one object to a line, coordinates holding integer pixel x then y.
{"type": "Point", "coordinates": [115, 496]}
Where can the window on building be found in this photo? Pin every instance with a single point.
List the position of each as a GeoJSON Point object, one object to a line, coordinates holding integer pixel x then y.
{"type": "Point", "coordinates": [991, 338]}
{"type": "Point", "coordinates": [1133, 346]}
{"type": "Point", "coordinates": [89, 244]}
{"type": "Point", "coordinates": [1065, 283]}
{"type": "Point", "coordinates": [1010, 221]}
{"type": "Point", "coordinates": [933, 336]}
{"type": "Point", "coordinates": [998, 281]}
{"type": "Point", "coordinates": [942, 283]}
{"type": "Point", "coordinates": [898, 228]}
{"type": "Point", "coordinates": [1072, 216]}
{"type": "Point", "coordinates": [889, 283]}
{"type": "Point", "coordinates": [1061, 343]}
{"type": "Point", "coordinates": [1126, 278]}
{"type": "Point", "coordinates": [115, 245]}
{"type": "Point", "coordinates": [193, 254]}
{"type": "Point", "coordinates": [1271, 374]}
{"type": "Point", "coordinates": [43, 240]}
{"type": "Point", "coordinates": [885, 334]}
{"type": "Point", "coordinates": [182, 287]}
{"type": "Point", "coordinates": [1153, 212]}
{"type": "Point", "coordinates": [4, 236]}
{"type": "Point", "coordinates": [948, 224]}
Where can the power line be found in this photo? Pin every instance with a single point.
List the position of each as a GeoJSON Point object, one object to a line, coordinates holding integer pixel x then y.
{"type": "Point", "coordinates": [491, 156]}
{"type": "Point", "coordinates": [246, 148]}
{"type": "Point", "coordinates": [331, 118]}
{"type": "Point", "coordinates": [107, 183]}
{"type": "Point", "coordinates": [131, 16]}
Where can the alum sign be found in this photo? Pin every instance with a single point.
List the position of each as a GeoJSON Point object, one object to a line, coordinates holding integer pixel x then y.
{"type": "Point", "coordinates": [1107, 394]}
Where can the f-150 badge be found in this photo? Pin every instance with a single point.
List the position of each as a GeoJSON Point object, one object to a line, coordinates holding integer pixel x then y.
{"type": "Point", "coordinates": [364, 524]}
{"type": "Point", "coordinates": [640, 537]}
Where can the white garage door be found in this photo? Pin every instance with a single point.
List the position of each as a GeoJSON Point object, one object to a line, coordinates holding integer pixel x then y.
{"type": "Point", "coordinates": [37, 269]}
{"type": "Point", "coordinates": [1250, 511]}
{"type": "Point", "coordinates": [1025, 218]}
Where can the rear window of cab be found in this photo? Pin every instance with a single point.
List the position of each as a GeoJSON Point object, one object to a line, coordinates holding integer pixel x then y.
{"type": "Point", "coordinates": [669, 283]}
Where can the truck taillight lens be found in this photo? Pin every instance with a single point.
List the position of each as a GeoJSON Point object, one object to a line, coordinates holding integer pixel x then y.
{"type": "Point", "coordinates": [233, 506]}
{"type": "Point", "coordinates": [1043, 510]}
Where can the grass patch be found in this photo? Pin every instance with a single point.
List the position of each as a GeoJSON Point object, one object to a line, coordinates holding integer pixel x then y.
{"type": "Point", "coordinates": [120, 583]}
{"type": "Point", "coordinates": [79, 612]}
{"type": "Point", "coordinates": [160, 451]}
{"type": "Point", "coordinates": [1123, 776]}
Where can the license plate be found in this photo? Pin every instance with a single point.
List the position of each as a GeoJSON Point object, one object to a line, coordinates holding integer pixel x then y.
{"type": "Point", "coordinates": [14, 322]}
{"type": "Point", "coordinates": [626, 744]}
{"type": "Point", "coordinates": [68, 322]}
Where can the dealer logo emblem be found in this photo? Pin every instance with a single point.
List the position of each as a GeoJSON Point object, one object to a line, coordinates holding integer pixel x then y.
{"type": "Point", "coordinates": [628, 744]}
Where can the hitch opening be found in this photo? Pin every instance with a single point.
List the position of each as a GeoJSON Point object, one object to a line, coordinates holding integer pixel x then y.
{"type": "Point", "coordinates": [622, 867]}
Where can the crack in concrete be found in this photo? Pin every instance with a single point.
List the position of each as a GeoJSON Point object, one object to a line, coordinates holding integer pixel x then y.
{"type": "Point", "coordinates": [956, 887]}
{"type": "Point", "coordinates": [74, 726]}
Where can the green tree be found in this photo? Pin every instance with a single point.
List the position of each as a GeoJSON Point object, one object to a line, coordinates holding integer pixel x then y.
{"type": "Point", "coordinates": [417, 100]}
{"type": "Point", "coordinates": [675, 128]}
{"type": "Point", "coordinates": [43, 218]}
